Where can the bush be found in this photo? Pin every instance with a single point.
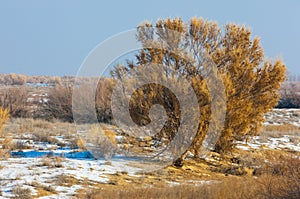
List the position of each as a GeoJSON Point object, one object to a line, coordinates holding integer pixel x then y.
{"type": "Point", "coordinates": [4, 116]}
{"type": "Point", "coordinates": [15, 100]}
{"type": "Point", "coordinates": [6, 144]}
{"type": "Point", "coordinates": [59, 104]}
{"type": "Point", "coordinates": [251, 81]}
{"type": "Point", "coordinates": [15, 79]}
{"type": "Point", "coordinates": [21, 193]}
{"type": "Point", "coordinates": [103, 99]}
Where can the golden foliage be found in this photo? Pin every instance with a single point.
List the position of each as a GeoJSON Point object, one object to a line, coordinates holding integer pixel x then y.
{"type": "Point", "coordinates": [251, 81]}
{"type": "Point", "coordinates": [4, 116]}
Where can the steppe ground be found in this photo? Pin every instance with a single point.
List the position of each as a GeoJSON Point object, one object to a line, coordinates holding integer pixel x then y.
{"type": "Point", "coordinates": [42, 159]}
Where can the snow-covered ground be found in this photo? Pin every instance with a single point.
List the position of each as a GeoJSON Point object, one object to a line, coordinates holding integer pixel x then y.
{"type": "Point", "coordinates": [46, 164]}
{"type": "Point", "coordinates": [283, 116]}
{"type": "Point", "coordinates": [29, 170]}
{"type": "Point", "coordinates": [285, 142]}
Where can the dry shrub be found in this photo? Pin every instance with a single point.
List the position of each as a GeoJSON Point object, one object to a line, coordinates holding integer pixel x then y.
{"type": "Point", "coordinates": [15, 100]}
{"type": "Point", "coordinates": [78, 143]}
{"type": "Point", "coordinates": [21, 193]}
{"type": "Point", "coordinates": [57, 162]}
{"type": "Point", "coordinates": [20, 145]}
{"type": "Point", "coordinates": [6, 147]}
{"type": "Point", "coordinates": [45, 162]}
{"type": "Point", "coordinates": [4, 116]}
{"type": "Point", "coordinates": [59, 104]}
{"type": "Point", "coordinates": [251, 80]}
{"type": "Point", "coordinates": [65, 180]}
{"type": "Point", "coordinates": [103, 99]}
{"type": "Point", "coordinates": [51, 162]}
{"type": "Point", "coordinates": [42, 190]}
{"type": "Point", "coordinates": [45, 137]}
{"type": "Point", "coordinates": [103, 146]}
{"type": "Point", "coordinates": [15, 79]}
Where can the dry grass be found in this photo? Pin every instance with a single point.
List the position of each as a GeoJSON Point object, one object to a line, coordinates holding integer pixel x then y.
{"type": "Point", "coordinates": [78, 143]}
{"type": "Point", "coordinates": [4, 115]}
{"type": "Point", "coordinates": [264, 174]}
{"type": "Point", "coordinates": [6, 147]}
{"type": "Point", "coordinates": [51, 162]}
{"type": "Point", "coordinates": [265, 186]}
{"type": "Point", "coordinates": [66, 180]}
{"type": "Point", "coordinates": [279, 130]}
{"type": "Point", "coordinates": [42, 190]}
{"type": "Point", "coordinates": [19, 126]}
{"type": "Point", "coordinates": [21, 193]}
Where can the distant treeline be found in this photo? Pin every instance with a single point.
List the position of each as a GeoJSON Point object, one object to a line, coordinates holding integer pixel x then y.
{"type": "Point", "coordinates": [20, 79]}
{"type": "Point", "coordinates": [54, 101]}
{"type": "Point", "coordinates": [290, 95]}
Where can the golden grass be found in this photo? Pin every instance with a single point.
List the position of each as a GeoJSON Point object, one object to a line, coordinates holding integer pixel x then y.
{"type": "Point", "coordinates": [285, 128]}
{"type": "Point", "coordinates": [6, 147]}
{"type": "Point", "coordinates": [19, 126]}
{"type": "Point", "coordinates": [66, 180]}
{"type": "Point", "coordinates": [4, 116]}
{"type": "Point", "coordinates": [260, 174]}
{"type": "Point", "coordinates": [21, 193]}
{"type": "Point", "coordinates": [42, 190]}
{"type": "Point", "coordinates": [264, 186]}
{"type": "Point", "coordinates": [51, 162]}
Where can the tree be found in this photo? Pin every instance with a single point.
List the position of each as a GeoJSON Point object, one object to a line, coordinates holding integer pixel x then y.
{"type": "Point", "coordinates": [251, 81]}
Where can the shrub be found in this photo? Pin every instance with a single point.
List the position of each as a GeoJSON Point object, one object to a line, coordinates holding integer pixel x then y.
{"type": "Point", "coordinates": [15, 79]}
{"type": "Point", "coordinates": [59, 104]}
{"type": "Point", "coordinates": [15, 100]}
{"type": "Point", "coordinates": [21, 193]}
{"type": "Point", "coordinates": [103, 144]}
{"type": "Point", "coordinates": [103, 99]}
{"type": "Point", "coordinates": [251, 81]}
{"type": "Point", "coordinates": [66, 180]}
{"type": "Point", "coordinates": [4, 116]}
{"type": "Point", "coordinates": [78, 143]}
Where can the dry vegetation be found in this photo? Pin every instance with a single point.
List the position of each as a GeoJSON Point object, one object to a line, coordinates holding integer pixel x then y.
{"type": "Point", "coordinates": [276, 179]}
{"type": "Point", "coordinates": [22, 193]}
{"type": "Point", "coordinates": [252, 174]}
{"type": "Point", "coordinates": [45, 113]}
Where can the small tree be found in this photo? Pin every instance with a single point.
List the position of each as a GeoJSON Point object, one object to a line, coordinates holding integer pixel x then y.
{"type": "Point", "coordinates": [251, 81]}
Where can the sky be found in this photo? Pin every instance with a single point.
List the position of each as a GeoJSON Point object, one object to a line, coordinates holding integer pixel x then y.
{"type": "Point", "coordinates": [53, 37]}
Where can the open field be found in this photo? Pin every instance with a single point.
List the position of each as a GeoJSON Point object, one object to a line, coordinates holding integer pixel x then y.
{"type": "Point", "coordinates": [43, 159]}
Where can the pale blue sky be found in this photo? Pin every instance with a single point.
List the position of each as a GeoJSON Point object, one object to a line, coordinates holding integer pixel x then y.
{"type": "Point", "coordinates": [52, 37]}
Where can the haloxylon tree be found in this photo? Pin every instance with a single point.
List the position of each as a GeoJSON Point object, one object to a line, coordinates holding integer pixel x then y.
{"type": "Point", "coordinates": [251, 81]}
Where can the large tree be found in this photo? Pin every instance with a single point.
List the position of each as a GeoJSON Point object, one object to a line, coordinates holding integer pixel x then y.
{"type": "Point", "coordinates": [251, 81]}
